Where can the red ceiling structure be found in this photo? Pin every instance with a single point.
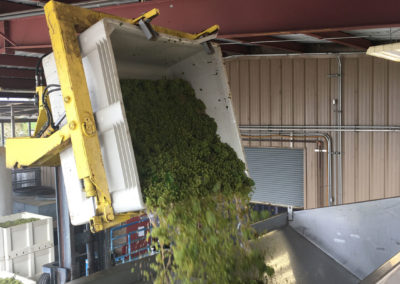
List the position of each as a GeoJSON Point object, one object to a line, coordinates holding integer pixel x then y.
{"type": "Point", "coordinates": [237, 19]}
{"type": "Point", "coordinates": [343, 38]}
{"type": "Point", "coordinates": [246, 22]}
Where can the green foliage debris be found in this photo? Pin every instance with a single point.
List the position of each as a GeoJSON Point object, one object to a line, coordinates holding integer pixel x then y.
{"type": "Point", "coordinates": [17, 222]}
{"type": "Point", "coordinates": [195, 185]}
{"type": "Point", "coordinates": [10, 280]}
{"type": "Point", "coordinates": [256, 216]}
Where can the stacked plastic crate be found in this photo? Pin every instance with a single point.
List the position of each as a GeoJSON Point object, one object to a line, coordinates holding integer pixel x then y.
{"type": "Point", "coordinates": [24, 248]}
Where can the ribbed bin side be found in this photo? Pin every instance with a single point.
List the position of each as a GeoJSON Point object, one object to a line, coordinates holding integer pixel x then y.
{"type": "Point", "coordinates": [26, 238]}
{"type": "Point", "coordinates": [26, 247]}
{"type": "Point", "coordinates": [28, 265]}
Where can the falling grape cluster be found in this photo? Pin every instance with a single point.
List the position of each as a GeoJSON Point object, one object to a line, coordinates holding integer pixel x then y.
{"type": "Point", "coordinates": [195, 185]}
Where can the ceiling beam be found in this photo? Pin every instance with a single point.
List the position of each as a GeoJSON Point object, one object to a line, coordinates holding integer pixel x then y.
{"type": "Point", "coordinates": [20, 61]}
{"type": "Point", "coordinates": [343, 38]}
{"type": "Point", "coordinates": [6, 94]}
{"type": "Point", "coordinates": [235, 49]}
{"type": "Point", "coordinates": [18, 119]}
{"type": "Point", "coordinates": [16, 83]}
{"type": "Point", "coordinates": [9, 7]}
{"type": "Point", "coordinates": [16, 73]}
{"type": "Point", "coordinates": [4, 40]}
{"type": "Point", "coordinates": [33, 3]}
{"type": "Point", "coordinates": [275, 42]}
{"type": "Point", "coordinates": [258, 18]}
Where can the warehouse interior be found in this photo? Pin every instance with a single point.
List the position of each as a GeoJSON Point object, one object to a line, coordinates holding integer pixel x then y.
{"type": "Point", "coordinates": [311, 95]}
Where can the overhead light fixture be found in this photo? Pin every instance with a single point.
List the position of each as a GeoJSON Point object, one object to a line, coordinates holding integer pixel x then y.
{"type": "Point", "coordinates": [387, 51]}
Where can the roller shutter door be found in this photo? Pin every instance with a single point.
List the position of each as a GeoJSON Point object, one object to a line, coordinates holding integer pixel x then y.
{"type": "Point", "coordinates": [278, 174]}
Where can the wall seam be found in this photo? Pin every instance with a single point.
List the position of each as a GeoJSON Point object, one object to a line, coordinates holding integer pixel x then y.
{"type": "Point", "coordinates": [292, 94]}
{"type": "Point", "coordinates": [259, 95]}
{"type": "Point", "coordinates": [320, 193]}
{"type": "Point", "coordinates": [356, 135]}
{"type": "Point", "coordinates": [371, 107]}
{"type": "Point", "coordinates": [270, 94]}
{"type": "Point", "coordinates": [249, 92]}
{"type": "Point", "coordinates": [386, 143]}
{"type": "Point", "coordinates": [281, 92]}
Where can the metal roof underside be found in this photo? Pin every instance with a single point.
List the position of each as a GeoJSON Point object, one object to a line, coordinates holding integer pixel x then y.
{"type": "Point", "coordinates": [23, 109]}
{"type": "Point", "coordinates": [259, 27]}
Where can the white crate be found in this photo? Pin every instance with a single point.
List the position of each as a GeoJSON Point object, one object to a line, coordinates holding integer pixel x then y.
{"type": "Point", "coordinates": [26, 247]}
{"type": "Point", "coordinates": [5, 274]}
{"type": "Point", "coordinates": [112, 50]}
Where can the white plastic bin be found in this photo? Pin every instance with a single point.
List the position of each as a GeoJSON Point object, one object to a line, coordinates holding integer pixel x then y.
{"type": "Point", "coordinates": [112, 50]}
{"type": "Point", "coordinates": [26, 247]}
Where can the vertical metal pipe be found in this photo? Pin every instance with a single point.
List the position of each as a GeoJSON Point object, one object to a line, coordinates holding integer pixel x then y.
{"type": "Point", "coordinates": [29, 128]}
{"type": "Point", "coordinates": [12, 120]}
{"type": "Point", "coordinates": [329, 142]}
{"type": "Point", "coordinates": [6, 195]}
{"type": "Point", "coordinates": [2, 134]}
{"type": "Point", "coordinates": [107, 250]}
{"type": "Point", "coordinates": [329, 156]}
{"type": "Point", "coordinates": [291, 143]}
{"type": "Point", "coordinates": [339, 142]}
{"type": "Point", "coordinates": [334, 160]}
{"type": "Point", "coordinates": [320, 183]}
{"type": "Point", "coordinates": [90, 251]}
{"type": "Point", "coordinates": [65, 230]}
{"type": "Point", "coordinates": [58, 212]}
{"type": "Point", "coordinates": [324, 135]}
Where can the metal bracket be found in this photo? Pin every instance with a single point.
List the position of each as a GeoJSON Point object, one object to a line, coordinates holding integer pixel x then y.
{"type": "Point", "coordinates": [144, 23]}
{"type": "Point", "coordinates": [147, 29]}
{"type": "Point", "coordinates": [211, 30]}
{"type": "Point", "coordinates": [148, 16]}
{"type": "Point", "coordinates": [290, 213]}
{"type": "Point", "coordinates": [208, 47]}
{"type": "Point", "coordinates": [57, 274]}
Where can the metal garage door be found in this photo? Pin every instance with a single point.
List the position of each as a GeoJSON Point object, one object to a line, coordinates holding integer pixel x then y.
{"type": "Point", "coordinates": [278, 174]}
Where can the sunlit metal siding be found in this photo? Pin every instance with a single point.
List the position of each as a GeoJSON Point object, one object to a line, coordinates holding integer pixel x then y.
{"type": "Point", "coordinates": [299, 90]}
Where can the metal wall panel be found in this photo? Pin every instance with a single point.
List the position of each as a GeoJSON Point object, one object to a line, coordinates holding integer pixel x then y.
{"type": "Point", "coordinates": [354, 235]}
{"type": "Point", "coordinates": [299, 90]}
{"type": "Point", "coordinates": [48, 177]}
{"type": "Point", "coordinates": [278, 174]}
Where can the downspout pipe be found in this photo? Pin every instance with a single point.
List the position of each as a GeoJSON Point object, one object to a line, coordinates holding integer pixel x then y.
{"type": "Point", "coordinates": [325, 136]}
{"type": "Point", "coordinates": [339, 136]}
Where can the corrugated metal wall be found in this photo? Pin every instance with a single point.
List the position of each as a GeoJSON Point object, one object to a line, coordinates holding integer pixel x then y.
{"type": "Point", "coordinates": [299, 91]}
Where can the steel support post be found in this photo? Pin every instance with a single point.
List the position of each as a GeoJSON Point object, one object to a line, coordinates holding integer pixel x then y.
{"type": "Point", "coordinates": [12, 121]}
{"type": "Point", "coordinates": [66, 243]}
{"type": "Point", "coordinates": [2, 134]}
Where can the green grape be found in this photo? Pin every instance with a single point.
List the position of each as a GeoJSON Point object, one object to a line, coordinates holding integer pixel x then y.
{"type": "Point", "coordinates": [194, 183]}
{"type": "Point", "coordinates": [17, 222]}
{"type": "Point", "coordinates": [10, 280]}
